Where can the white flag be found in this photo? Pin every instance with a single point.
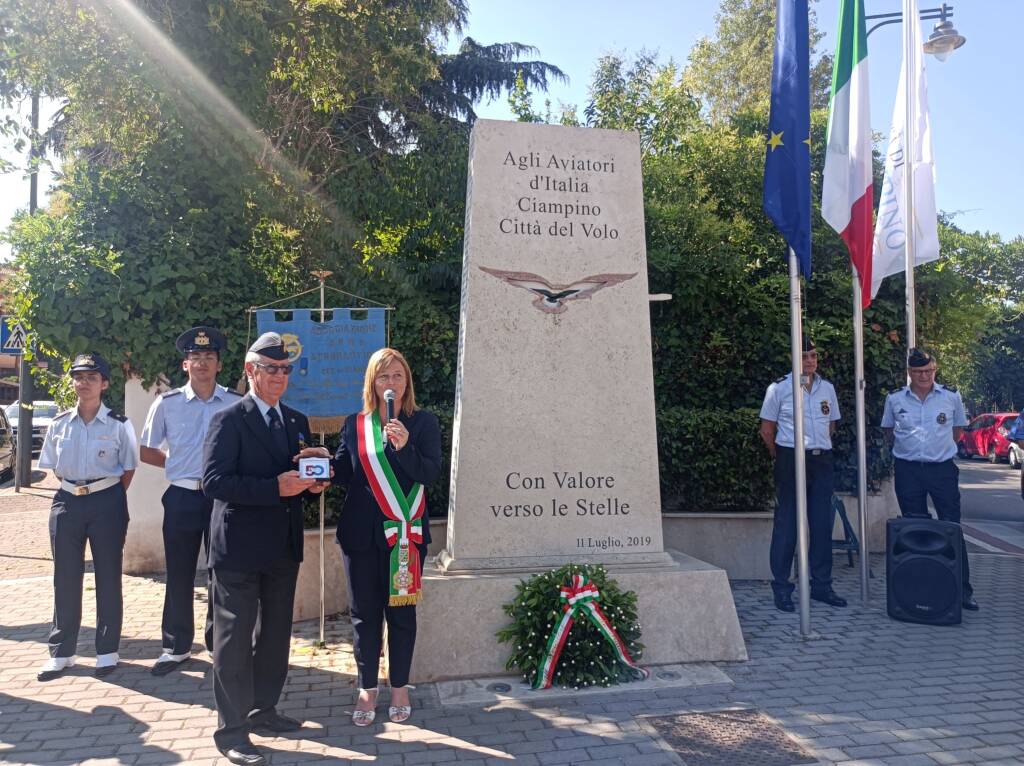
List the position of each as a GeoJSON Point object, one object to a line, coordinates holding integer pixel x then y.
{"type": "Point", "coordinates": [891, 225]}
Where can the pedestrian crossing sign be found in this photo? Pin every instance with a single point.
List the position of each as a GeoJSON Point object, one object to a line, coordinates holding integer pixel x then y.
{"type": "Point", "coordinates": [13, 339]}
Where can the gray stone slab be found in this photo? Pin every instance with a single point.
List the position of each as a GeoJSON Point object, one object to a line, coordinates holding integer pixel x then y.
{"type": "Point", "coordinates": [480, 691]}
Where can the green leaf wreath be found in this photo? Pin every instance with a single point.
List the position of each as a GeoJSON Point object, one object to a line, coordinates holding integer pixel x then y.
{"type": "Point", "coordinates": [588, 659]}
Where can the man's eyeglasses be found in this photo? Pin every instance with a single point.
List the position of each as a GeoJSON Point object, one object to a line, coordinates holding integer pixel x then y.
{"type": "Point", "coordinates": [921, 371]}
{"type": "Point", "coordinates": [275, 369]}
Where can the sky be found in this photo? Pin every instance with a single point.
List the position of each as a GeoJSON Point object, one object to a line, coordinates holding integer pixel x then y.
{"type": "Point", "coordinates": [976, 97]}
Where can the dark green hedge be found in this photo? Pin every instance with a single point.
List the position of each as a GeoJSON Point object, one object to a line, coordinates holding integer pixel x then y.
{"type": "Point", "coordinates": [713, 460]}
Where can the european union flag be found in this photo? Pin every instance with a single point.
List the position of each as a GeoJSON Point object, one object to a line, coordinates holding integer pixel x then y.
{"type": "Point", "coordinates": [787, 166]}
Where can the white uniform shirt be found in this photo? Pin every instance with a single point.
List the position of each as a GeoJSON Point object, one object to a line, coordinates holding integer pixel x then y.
{"type": "Point", "coordinates": [179, 419]}
{"type": "Point", "coordinates": [76, 450]}
{"type": "Point", "coordinates": [923, 430]}
{"type": "Point", "coordinates": [820, 408]}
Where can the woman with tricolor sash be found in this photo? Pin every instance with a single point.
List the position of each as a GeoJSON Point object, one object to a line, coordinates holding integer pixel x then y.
{"type": "Point", "coordinates": [383, 529]}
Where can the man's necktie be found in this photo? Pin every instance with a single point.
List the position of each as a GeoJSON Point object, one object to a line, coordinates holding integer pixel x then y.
{"type": "Point", "coordinates": [277, 430]}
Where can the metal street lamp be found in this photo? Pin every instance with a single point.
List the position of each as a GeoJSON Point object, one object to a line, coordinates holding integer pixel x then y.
{"type": "Point", "coordinates": [943, 40]}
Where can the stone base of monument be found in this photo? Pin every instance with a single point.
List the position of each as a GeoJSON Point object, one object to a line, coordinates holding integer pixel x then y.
{"type": "Point", "coordinates": [685, 608]}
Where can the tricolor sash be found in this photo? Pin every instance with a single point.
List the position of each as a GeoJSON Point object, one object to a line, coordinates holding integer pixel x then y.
{"type": "Point", "coordinates": [403, 514]}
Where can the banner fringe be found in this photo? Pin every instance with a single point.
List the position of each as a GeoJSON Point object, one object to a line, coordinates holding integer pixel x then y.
{"type": "Point", "coordinates": [328, 426]}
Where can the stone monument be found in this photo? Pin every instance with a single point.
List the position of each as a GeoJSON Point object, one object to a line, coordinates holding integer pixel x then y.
{"type": "Point", "coordinates": [554, 456]}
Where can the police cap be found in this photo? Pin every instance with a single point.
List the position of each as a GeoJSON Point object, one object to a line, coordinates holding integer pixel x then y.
{"type": "Point", "coordinates": [919, 358]}
{"type": "Point", "coordinates": [270, 345]}
{"type": "Point", "coordinates": [90, 363]}
{"type": "Point", "coordinates": [808, 345]}
{"type": "Point", "coordinates": [201, 338]}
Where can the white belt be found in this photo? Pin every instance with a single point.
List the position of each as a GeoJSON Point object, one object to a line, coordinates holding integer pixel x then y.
{"type": "Point", "coordinates": [188, 483]}
{"type": "Point", "coordinates": [88, 489]}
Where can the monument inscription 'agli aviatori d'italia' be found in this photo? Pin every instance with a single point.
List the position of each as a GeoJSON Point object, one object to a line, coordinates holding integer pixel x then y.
{"type": "Point", "coordinates": [555, 452]}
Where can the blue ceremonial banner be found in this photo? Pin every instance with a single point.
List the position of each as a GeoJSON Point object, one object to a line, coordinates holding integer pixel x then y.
{"type": "Point", "coordinates": [787, 166]}
{"type": "Point", "coordinates": [330, 357]}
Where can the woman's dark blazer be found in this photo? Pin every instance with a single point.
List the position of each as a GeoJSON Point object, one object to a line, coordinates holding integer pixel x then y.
{"type": "Point", "coordinates": [362, 523]}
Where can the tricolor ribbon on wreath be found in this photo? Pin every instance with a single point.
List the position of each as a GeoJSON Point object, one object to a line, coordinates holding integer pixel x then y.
{"type": "Point", "coordinates": [581, 597]}
{"type": "Point", "coordinates": [403, 512]}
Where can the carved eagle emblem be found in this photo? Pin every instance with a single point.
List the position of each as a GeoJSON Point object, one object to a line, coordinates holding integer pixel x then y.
{"type": "Point", "coordinates": [551, 298]}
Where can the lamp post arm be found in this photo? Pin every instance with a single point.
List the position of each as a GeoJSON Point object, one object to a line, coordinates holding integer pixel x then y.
{"type": "Point", "coordinates": [928, 14]}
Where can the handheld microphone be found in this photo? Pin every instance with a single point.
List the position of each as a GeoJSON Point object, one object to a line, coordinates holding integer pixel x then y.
{"type": "Point", "coordinates": [389, 400]}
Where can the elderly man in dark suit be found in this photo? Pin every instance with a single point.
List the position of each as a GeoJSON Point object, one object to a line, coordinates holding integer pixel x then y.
{"type": "Point", "coordinates": [255, 548]}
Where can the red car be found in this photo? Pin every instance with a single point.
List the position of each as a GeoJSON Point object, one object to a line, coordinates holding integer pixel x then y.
{"type": "Point", "coordinates": [985, 435]}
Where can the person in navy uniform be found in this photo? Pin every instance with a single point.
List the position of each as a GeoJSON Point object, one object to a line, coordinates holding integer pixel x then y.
{"type": "Point", "coordinates": [172, 439]}
{"type": "Point", "coordinates": [255, 548]}
{"type": "Point", "coordinates": [821, 411]}
{"type": "Point", "coordinates": [402, 454]}
{"type": "Point", "coordinates": [924, 422]}
{"type": "Point", "coordinates": [92, 451]}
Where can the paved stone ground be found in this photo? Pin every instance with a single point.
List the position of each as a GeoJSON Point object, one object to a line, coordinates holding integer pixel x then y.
{"type": "Point", "coordinates": [868, 692]}
{"type": "Point", "coordinates": [25, 546]}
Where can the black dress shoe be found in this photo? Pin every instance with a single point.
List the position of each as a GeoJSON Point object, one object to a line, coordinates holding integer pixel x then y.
{"type": "Point", "coordinates": [245, 755]}
{"type": "Point", "coordinates": [274, 723]}
{"type": "Point", "coordinates": [49, 675]}
{"type": "Point", "coordinates": [105, 671]}
{"type": "Point", "coordinates": [784, 603]}
{"type": "Point", "coordinates": [829, 597]}
{"type": "Point", "coordinates": [970, 604]}
{"type": "Point", "coordinates": [165, 667]}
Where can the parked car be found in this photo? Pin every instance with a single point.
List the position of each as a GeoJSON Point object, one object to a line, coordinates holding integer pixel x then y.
{"type": "Point", "coordinates": [986, 435]}
{"type": "Point", "coordinates": [42, 415]}
{"type": "Point", "coordinates": [1016, 437]}
{"type": "Point", "coordinates": [7, 448]}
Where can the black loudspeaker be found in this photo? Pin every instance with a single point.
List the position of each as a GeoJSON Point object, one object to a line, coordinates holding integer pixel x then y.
{"type": "Point", "coordinates": [923, 571]}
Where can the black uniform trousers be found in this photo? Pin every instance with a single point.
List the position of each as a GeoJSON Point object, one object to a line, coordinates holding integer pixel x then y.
{"type": "Point", "coordinates": [369, 572]}
{"type": "Point", "coordinates": [252, 628]}
{"type": "Point", "coordinates": [186, 527]}
{"type": "Point", "coordinates": [915, 481]}
{"type": "Point", "coordinates": [102, 519]}
{"type": "Point", "coordinates": [819, 520]}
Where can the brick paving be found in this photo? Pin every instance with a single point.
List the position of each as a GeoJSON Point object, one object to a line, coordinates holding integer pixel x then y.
{"type": "Point", "coordinates": [25, 550]}
{"type": "Point", "coordinates": [868, 692]}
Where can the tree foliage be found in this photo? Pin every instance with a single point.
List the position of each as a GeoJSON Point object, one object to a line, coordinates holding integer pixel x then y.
{"type": "Point", "coordinates": [731, 73]}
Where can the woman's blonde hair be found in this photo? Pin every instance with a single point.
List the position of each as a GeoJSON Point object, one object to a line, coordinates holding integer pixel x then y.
{"type": "Point", "coordinates": [379, 362]}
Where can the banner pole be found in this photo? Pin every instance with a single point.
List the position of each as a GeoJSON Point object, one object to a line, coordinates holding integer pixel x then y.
{"type": "Point", "coordinates": [799, 455]}
{"type": "Point", "coordinates": [322, 276]}
{"type": "Point", "coordinates": [323, 579]}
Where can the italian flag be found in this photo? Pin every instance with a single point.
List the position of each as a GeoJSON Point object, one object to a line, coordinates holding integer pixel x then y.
{"type": "Point", "coordinates": [846, 197]}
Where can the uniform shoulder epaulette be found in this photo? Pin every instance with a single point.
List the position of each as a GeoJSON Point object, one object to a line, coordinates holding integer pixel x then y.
{"type": "Point", "coordinates": [118, 417]}
{"type": "Point", "coordinates": [172, 392]}
{"type": "Point", "coordinates": [779, 380]}
{"type": "Point", "coordinates": [60, 415]}
{"type": "Point", "coordinates": [950, 388]}
{"type": "Point", "coordinates": [233, 391]}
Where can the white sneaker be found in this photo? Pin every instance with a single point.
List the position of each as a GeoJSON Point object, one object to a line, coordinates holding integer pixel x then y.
{"type": "Point", "coordinates": [105, 664]}
{"type": "Point", "coordinates": [168, 657]}
{"type": "Point", "coordinates": [54, 666]}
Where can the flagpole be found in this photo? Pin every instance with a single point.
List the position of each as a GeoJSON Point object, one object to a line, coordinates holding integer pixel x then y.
{"type": "Point", "coordinates": [799, 455]}
{"type": "Point", "coordinates": [862, 447]}
{"type": "Point", "coordinates": [909, 144]}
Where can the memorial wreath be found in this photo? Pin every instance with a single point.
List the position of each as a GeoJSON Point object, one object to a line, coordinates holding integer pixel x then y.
{"type": "Point", "coordinates": [573, 627]}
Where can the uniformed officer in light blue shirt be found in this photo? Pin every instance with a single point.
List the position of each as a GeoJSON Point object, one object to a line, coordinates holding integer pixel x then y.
{"type": "Point", "coordinates": [821, 411]}
{"type": "Point", "coordinates": [92, 450]}
{"type": "Point", "coordinates": [924, 422]}
{"type": "Point", "coordinates": [172, 439]}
